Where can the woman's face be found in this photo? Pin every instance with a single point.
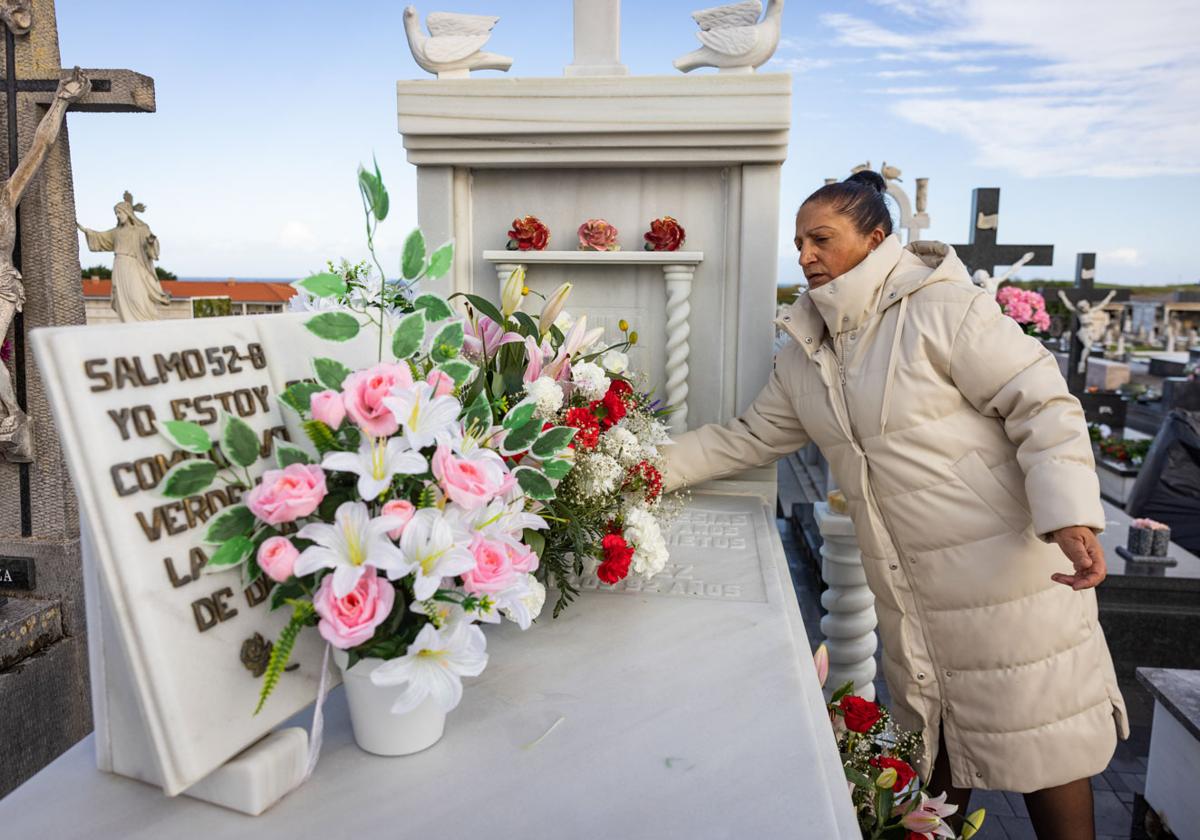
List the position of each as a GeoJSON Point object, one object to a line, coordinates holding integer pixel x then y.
{"type": "Point", "coordinates": [829, 243]}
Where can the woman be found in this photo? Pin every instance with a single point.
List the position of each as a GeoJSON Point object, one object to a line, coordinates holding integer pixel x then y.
{"type": "Point", "coordinates": [970, 478]}
{"type": "Point", "coordinates": [136, 293]}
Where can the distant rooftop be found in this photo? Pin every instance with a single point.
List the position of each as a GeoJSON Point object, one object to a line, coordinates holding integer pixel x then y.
{"type": "Point", "coordinates": [241, 291]}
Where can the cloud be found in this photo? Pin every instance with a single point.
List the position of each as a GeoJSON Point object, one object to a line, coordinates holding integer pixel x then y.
{"type": "Point", "coordinates": [1099, 87]}
{"type": "Point", "coordinates": [928, 90]}
{"type": "Point", "coordinates": [1121, 256]}
{"type": "Point", "coordinates": [901, 74]}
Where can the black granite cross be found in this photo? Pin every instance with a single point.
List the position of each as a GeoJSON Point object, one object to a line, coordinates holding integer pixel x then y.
{"type": "Point", "coordinates": [1085, 283]}
{"type": "Point", "coordinates": [982, 251]}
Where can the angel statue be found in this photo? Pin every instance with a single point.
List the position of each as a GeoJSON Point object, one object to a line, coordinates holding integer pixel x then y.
{"type": "Point", "coordinates": [136, 293]}
{"type": "Point", "coordinates": [990, 283]}
{"type": "Point", "coordinates": [16, 436]}
{"type": "Point", "coordinates": [1093, 323]}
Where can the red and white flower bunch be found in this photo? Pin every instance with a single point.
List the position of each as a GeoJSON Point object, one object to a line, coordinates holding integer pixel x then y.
{"type": "Point", "coordinates": [1027, 308]}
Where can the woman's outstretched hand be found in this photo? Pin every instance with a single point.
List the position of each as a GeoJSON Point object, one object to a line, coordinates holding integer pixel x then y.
{"type": "Point", "coordinates": [1086, 554]}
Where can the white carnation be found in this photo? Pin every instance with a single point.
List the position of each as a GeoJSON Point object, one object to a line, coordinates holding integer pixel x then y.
{"type": "Point", "coordinates": [547, 394]}
{"type": "Point", "coordinates": [524, 602]}
{"type": "Point", "coordinates": [623, 445]}
{"type": "Point", "coordinates": [589, 380]}
{"type": "Point", "coordinates": [615, 361]}
{"type": "Point", "coordinates": [600, 474]}
{"type": "Point", "coordinates": [649, 547]}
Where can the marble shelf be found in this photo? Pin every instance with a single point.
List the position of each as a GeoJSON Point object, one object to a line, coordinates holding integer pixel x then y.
{"type": "Point", "coordinates": [605, 258]}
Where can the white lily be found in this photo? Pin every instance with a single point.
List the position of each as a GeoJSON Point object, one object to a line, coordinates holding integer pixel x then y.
{"type": "Point", "coordinates": [353, 542]}
{"type": "Point", "coordinates": [522, 603]}
{"type": "Point", "coordinates": [423, 415]}
{"type": "Point", "coordinates": [431, 552]}
{"type": "Point", "coordinates": [510, 295]}
{"type": "Point", "coordinates": [376, 463]}
{"type": "Point", "coordinates": [498, 520]}
{"type": "Point", "coordinates": [434, 666]}
{"type": "Point", "coordinates": [553, 308]}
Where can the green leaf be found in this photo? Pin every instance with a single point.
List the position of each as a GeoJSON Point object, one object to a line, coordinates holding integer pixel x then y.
{"type": "Point", "coordinates": [232, 522]}
{"type": "Point", "coordinates": [460, 370]}
{"type": "Point", "coordinates": [298, 397]}
{"type": "Point", "coordinates": [534, 540]}
{"type": "Point", "coordinates": [519, 414]}
{"type": "Point", "coordinates": [413, 260]}
{"type": "Point", "coordinates": [281, 592]}
{"type": "Point", "coordinates": [333, 326]}
{"type": "Point", "coordinates": [552, 441]}
{"type": "Point", "coordinates": [435, 307]}
{"type": "Point", "coordinates": [485, 307]}
{"type": "Point", "coordinates": [238, 441]}
{"type": "Point", "coordinates": [286, 455]}
{"type": "Point", "coordinates": [535, 485]}
{"type": "Point", "coordinates": [381, 195]}
{"type": "Point", "coordinates": [842, 692]}
{"type": "Point", "coordinates": [478, 413]}
{"type": "Point", "coordinates": [370, 184]}
{"type": "Point", "coordinates": [187, 478]}
{"type": "Point", "coordinates": [330, 373]}
{"type": "Point", "coordinates": [409, 334]}
{"type": "Point", "coordinates": [448, 342]}
{"type": "Point", "coordinates": [323, 285]}
{"type": "Point", "coordinates": [558, 468]}
{"type": "Point", "coordinates": [231, 553]}
{"type": "Point", "coordinates": [520, 439]}
{"type": "Point", "coordinates": [185, 435]}
{"type": "Point", "coordinates": [321, 436]}
{"type": "Point", "coordinates": [441, 261]}
{"type": "Point", "coordinates": [281, 650]}
{"type": "Point", "coordinates": [528, 325]}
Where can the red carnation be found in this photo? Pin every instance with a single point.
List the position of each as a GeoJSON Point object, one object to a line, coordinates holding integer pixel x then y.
{"type": "Point", "coordinates": [617, 556]}
{"type": "Point", "coordinates": [588, 434]}
{"type": "Point", "coordinates": [620, 387]}
{"type": "Point", "coordinates": [528, 234]}
{"type": "Point", "coordinates": [860, 714]}
{"type": "Point", "coordinates": [665, 234]}
{"type": "Point", "coordinates": [904, 771]}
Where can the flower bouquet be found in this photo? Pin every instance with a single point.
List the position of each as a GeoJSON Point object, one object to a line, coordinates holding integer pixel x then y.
{"type": "Point", "coordinates": [415, 520]}
{"type": "Point", "coordinates": [878, 758]}
{"type": "Point", "coordinates": [607, 513]}
{"type": "Point", "coordinates": [1026, 308]}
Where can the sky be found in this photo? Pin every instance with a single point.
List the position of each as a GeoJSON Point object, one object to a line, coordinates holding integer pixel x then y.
{"type": "Point", "coordinates": [1086, 113]}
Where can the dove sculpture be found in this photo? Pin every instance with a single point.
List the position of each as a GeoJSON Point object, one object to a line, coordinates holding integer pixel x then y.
{"type": "Point", "coordinates": [451, 50]}
{"type": "Point", "coordinates": [734, 39]}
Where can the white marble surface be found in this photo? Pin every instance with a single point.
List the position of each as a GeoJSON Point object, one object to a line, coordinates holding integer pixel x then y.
{"type": "Point", "coordinates": [664, 714]}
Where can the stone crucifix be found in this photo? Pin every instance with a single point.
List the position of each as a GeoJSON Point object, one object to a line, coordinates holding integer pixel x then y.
{"type": "Point", "coordinates": [1093, 323]}
{"type": "Point", "coordinates": [16, 440]}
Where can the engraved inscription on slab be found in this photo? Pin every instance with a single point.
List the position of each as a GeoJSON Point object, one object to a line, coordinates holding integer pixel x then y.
{"type": "Point", "coordinates": [714, 557]}
{"type": "Point", "coordinates": [17, 573]}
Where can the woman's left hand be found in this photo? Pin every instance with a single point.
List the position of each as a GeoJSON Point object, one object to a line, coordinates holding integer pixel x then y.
{"type": "Point", "coordinates": [1086, 554]}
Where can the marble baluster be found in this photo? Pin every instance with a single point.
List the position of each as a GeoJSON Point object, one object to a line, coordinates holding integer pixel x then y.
{"type": "Point", "coordinates": [849, 626]}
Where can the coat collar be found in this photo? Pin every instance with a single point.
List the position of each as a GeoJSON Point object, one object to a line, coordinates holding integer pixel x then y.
{"type": "Point", "coordinates": [887, 275]}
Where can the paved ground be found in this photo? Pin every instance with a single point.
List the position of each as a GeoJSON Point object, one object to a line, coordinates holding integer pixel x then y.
{"type": "Point", "coordinates": [1007, 818]}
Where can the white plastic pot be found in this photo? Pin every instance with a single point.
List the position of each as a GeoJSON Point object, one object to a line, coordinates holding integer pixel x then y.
{"type": "Point", "coordinates": [376, 729]}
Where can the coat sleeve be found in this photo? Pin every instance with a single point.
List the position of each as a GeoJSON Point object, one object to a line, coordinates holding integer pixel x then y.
{"type": "Point", "coordinates": [765, 432]}
{"type": "Point", "coordinates": [1007, 374]}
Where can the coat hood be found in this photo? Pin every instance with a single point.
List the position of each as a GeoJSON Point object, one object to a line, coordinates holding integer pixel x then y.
{"type": "Point", "coordinates": [887, 276]}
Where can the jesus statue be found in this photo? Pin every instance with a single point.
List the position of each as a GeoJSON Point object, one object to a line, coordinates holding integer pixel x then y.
{"type": "Point", "coordinates": [136, 293]}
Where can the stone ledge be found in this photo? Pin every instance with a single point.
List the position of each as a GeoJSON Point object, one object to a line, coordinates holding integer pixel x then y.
{"type": "Point", "coordinates": [27, 625]}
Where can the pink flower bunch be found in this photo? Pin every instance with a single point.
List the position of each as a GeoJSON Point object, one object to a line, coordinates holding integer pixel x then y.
{"type": "Point", "coordinates": [1027, 308]}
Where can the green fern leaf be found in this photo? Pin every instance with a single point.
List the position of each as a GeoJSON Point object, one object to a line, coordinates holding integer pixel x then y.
{"type": "Point", "coordinates": [281, 651]}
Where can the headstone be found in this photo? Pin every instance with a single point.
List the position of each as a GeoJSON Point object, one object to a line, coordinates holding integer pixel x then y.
{"type": "Point", "coordinates": [38, 514]}
{"type": "Point", "coordinates": [1106, 374]}
{"type": "Point", "coordinates": [1174, 756]}
{"type": "Point", "coordinates": [1106, 408]}
{"type": "Point", "coordinates": [721, 632]}
{"type": "Point", "coordinates": [982, 251]}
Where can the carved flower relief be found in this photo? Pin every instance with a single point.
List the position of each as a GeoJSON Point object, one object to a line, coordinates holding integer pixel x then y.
{"type": "Point", "coordinates": [528, 234]}
{"type": "Point", "coordinates": [665, 234]}
{"type": "Point", "coordinates": [598, 235]}
{"type": "Point", "coordinates": [256, 653]}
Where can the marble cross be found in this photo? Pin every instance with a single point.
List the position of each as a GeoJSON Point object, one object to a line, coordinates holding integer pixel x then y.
{"type": "Point", "coordinates": [982, 251]}
{"type": "Point", "coordinates": [597, 39]}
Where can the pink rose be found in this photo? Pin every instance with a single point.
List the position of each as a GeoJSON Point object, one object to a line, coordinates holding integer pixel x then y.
{"type": "Point", "coordinates": [400, 509]}
{"type": "Point", "coordinates": [442, 382]}
{"type": "Point", "coordinates": [598, 235]}
{"type": "Point", "coordinates": [363, 393]}
{"type": "Point", "coordinates": [471, 480]}
{"type": "Point", "coordinates": [523, 558]}
{"type": "Point", "coordinates": [349, 621]}
{"type": "Point", "coordinates": [286, 495]}
{"type": "Point", "coordinates": [493, 570]}
{"type": "Point", "coordinates": [327, 406]}
{"type": "Point", "coordinates": [276, 557]}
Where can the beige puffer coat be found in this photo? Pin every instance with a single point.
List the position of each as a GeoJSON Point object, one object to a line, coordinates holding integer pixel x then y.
{"type": "Point", "coordinates": [956, 442]}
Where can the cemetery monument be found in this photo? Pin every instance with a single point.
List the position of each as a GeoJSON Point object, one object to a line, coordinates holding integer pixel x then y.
{"type": "Point", "coordinates": [137, 294]}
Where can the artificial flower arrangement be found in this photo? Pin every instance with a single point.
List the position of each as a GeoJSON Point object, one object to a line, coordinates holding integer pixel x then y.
{"type": "Point", "coordinates": [1119, 449]}
{"type": "Point", "coordinates": [878, 757]}
{"type": "Point", "coordinates": [598, 235]}
{"type": "Point", "coordinates": [419, 518]}
{"type": "Point", "coordinates": [665, 234]}
{"type": "Point", "coordinates": [607, 515]}
{"type": "Point", "coordinates": [528, 233]}
{"type": "Point", "coordinates": [1027, 308]}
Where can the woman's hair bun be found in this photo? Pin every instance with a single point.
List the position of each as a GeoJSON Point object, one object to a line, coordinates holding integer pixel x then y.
{"type": "Point", "coordinates": [868, 178]}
